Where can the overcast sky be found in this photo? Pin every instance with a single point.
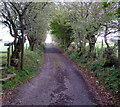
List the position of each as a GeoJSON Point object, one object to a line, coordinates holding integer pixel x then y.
{"type": "Point", "coordinates": [58, 0]}
{"type": "Point", "coordinates": [4, 34]}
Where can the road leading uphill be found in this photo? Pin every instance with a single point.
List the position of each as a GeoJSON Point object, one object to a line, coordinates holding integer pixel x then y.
{"type": "Point", "coordinates": [57, 83]}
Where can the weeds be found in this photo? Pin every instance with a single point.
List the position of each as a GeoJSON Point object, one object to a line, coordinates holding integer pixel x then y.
{"type": "Point", "coordinates": [32, 64]}
{"type": "Point", "coordinates": [109, 76]}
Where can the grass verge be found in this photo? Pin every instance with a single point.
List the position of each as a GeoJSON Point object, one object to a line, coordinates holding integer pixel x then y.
{"type": "Point", "coordinates": [104, 82]}
{"type": "Point", "coordinates": [108, 76]}
{"type": "Point", "coordinates": [32, 62]}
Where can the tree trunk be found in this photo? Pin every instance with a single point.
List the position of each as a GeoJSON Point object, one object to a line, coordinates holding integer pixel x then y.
{"type": "Point", "coordinates": [119, 54]}
{"type": "Point", "coordinates": [119, 41]}
{"type": "Point", "coordinates": [32, 42]}
{"type": "Point", "coordinates": [92, 46]}
{"type": "Point", "coordinates": [92, 41]}
{"type": "Point", "coordinates": [102, 49]}
{"type": "Point", "coordinates": [15, 54]}
{"type": "Point", "coordinates": [79, 42]}
{"type": "Point", "coordinates": [105, 37]}
{"type": "Point", "coordinates": [32, 46]}
{"type": "Point", "coordinates": [108, 51]}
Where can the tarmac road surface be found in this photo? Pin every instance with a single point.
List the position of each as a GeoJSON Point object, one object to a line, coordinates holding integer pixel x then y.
{"type": "Point", "coordinates": [58, 83]}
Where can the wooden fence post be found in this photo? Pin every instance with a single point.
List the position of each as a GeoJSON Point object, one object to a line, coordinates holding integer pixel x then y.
{"type": "Point", "coordinates": [8, 57]}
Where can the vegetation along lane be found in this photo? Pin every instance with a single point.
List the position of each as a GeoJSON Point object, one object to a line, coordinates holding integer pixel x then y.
{"type": "Point", "coordinates": [58, 83]}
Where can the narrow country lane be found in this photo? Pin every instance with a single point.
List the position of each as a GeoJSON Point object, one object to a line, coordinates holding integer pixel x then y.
{"type": "Point", "coordinates": [58, 83]}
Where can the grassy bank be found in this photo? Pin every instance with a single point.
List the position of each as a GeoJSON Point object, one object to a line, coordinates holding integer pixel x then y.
{"type": "Point", "coordinates": [103, 80]}
{"type": "Point", "coordinates": [32, 62]}
{"type": "Point", "coordinates": [109, 76]}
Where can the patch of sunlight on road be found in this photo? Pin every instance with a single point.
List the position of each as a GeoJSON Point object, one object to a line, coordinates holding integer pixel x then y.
{"type": "Point", "coordinates": [48, 38]}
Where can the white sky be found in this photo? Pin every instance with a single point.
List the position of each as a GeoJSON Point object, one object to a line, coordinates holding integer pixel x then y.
{"type": "Point", "coordinates": [48, 39]}
{"type": "Point", "coordinates": [4, 34]}
{"type": "Point", "coordinates": [57, 0]}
